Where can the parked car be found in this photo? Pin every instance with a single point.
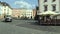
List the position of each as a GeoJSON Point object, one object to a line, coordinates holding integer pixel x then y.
{"type": "Point", "coordinates": [8, 19]}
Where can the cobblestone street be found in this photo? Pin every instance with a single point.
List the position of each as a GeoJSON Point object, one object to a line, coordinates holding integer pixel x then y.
{"type": "Point", "coordinates": [26, 27]}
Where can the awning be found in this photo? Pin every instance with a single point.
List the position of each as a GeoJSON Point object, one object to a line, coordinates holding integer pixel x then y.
{"type": "Point", "coordinates": [49, 13]}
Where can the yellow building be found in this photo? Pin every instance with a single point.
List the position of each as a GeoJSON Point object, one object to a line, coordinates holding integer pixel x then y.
{"type": "Point", "coordinates": [15, 12]}
{"type": "Point", "coordinates": [19, 12]}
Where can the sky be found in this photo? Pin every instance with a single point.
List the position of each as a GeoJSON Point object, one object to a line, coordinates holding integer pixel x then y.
{"type": "Point", "coordinates": [28, 4]}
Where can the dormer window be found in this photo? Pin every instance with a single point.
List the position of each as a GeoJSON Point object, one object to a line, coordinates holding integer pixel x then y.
{"type": "Point", "coordinates": [45, 7]}
{"type": "Point", "coordinates": [54, 7]}
{"type": "Point", "coordinates": [54, 0]}
{"type": "Point", "coordinates": [45, 0]}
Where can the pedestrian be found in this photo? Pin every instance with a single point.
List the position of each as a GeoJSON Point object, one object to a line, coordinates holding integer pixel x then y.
{"type": "Point", "coordinates": [4, 16]}
{"type": "Point", "coordinates": [18, 16]}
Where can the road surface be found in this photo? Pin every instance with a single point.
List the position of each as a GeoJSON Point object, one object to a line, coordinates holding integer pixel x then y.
{"type": "Point", "coordinates": [26, 27]}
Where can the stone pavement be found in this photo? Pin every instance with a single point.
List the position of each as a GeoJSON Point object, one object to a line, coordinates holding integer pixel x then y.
{"type": "Point", "coordinates": [6, 28]}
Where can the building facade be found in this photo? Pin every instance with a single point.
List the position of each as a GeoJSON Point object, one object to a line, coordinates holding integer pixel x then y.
{"type": "Point", "coordinates": [15, 12]}
{"type": "Point", "coordinates": [52, 5]}
{"type": "Point", "coordinates": [26, 13]}
{"type": "Point", "coordinates": [5, 9]}
{"type": "Point", "coordinates": [34, 13]}
{"type": "Point", "coordinates": [1, 10]}
{"type": "Point", "coordinates": [19, 12]}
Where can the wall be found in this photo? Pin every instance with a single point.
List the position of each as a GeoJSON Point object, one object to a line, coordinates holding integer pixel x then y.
{"type": "Point", "coordinates": [22, 13]}
{"type": "Point", "coordinates": [15, 13]}
{"type": "Point", "coordinates": [49, 3]}
{"type": "Point", "coordinates": [26, 13]}
{"type": "Point", "coordinates": [34, 13]}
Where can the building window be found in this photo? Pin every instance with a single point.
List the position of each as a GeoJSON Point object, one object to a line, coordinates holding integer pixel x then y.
{"type": "Point", "coordinates": [37, 8]}
{"type": "Point", "coordinates": [45, 0]}
{"type": "Point", "coordinates": [54, 0]}
{"type": "Point", "coordinates": [45, 7]}
{"type": "Point", "coordinates": [8, 10]}
{"type": "Point", "coordinates": [4, 9]}
{"type": "Point", "coordinates": [4, 6]}
{"type": "Point", "coordinates": [54, 7]}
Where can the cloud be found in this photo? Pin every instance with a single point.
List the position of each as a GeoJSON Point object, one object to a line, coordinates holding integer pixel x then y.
{"type": "Point", "coordinates": [24, 4]}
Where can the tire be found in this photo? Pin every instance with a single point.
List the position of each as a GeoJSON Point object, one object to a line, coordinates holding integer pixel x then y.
{"type": "Point", "coordinates": [11, 20]}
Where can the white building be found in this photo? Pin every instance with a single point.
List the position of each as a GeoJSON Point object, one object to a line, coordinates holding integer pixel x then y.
{"type": "Point", "coordinates": [1, 9]}
{"type": "Point", "coordinates": [26, 13]}
{"type": "Point", "coordinates": [29, 13]}
{"type": "Point", "coordinates": [52, 5]}
{"type": "Point", "coordinates": [7, 9]}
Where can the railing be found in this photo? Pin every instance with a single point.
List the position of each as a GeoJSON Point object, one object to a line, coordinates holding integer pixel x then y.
{"type": "Point", "coordinates": [51, 22]}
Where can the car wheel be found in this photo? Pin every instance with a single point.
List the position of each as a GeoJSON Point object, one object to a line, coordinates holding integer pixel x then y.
{"type": "Point", "coordinates": [11, 20]}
